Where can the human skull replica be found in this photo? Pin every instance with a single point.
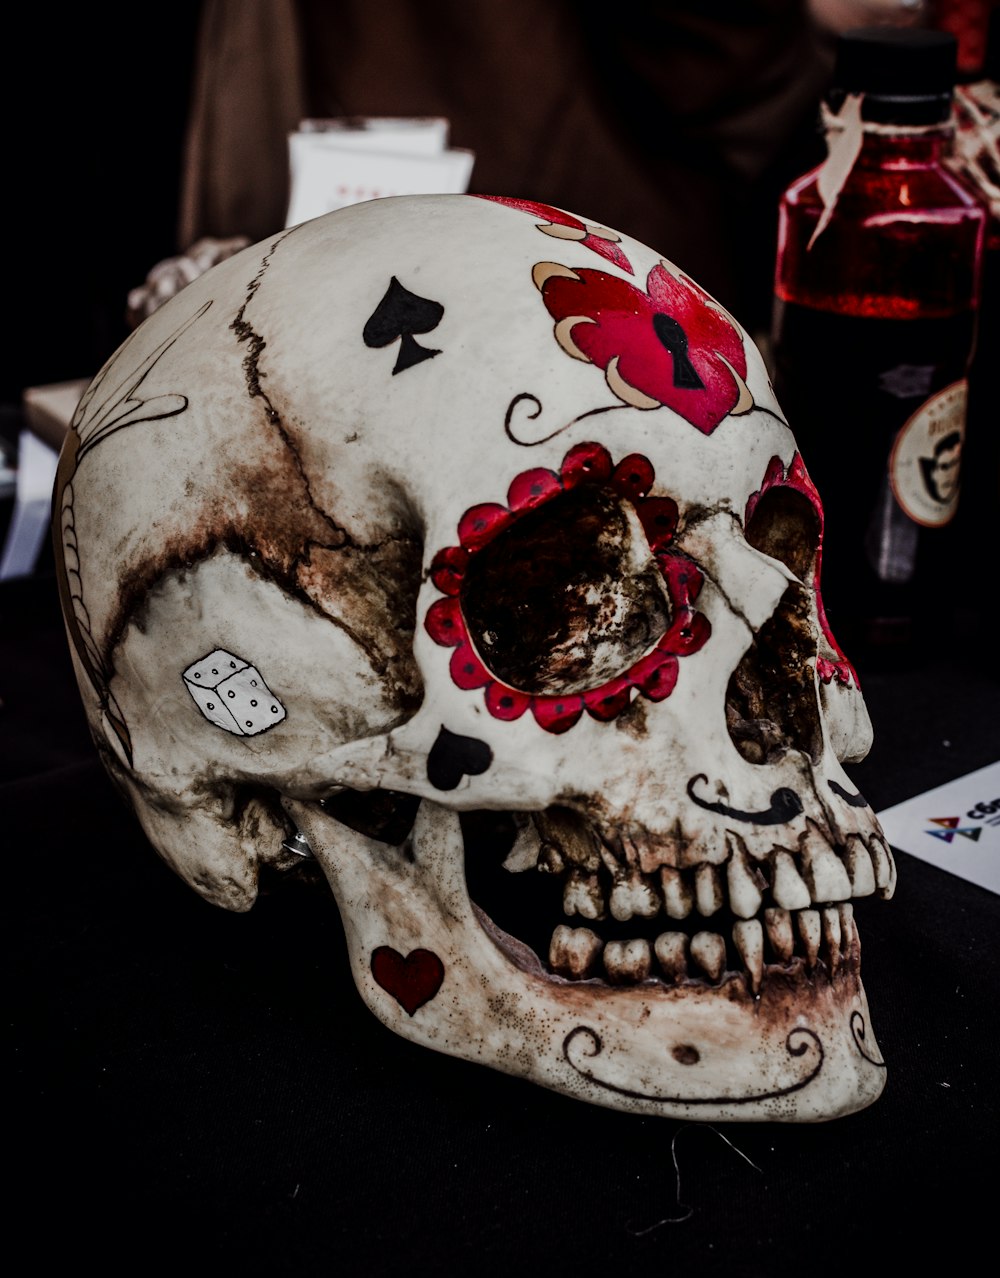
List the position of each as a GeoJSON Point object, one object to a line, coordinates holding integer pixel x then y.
{"type": "Point", "coordinates": [459, 545]}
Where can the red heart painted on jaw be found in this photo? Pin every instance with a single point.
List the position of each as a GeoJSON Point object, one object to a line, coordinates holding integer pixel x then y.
{"type": "Point", "coordinates": [412, 981]}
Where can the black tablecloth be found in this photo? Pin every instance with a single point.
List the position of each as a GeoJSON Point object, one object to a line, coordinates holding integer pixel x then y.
{"type": "Point", "coordinates": [201, 1089]}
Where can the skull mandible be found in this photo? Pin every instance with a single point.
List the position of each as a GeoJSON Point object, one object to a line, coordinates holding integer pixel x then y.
{"type": "Point", "coordinates": [458, 545]}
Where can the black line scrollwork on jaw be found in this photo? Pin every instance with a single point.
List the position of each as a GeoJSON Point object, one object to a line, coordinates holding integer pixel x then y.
{"type": "Point", "coordinates": [583, 1042]}
{"type": "Point", "coordinates": [858, 1031]}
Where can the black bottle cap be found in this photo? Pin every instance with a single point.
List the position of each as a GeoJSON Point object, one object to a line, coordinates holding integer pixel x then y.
{"type": "Point", "coordinates": [907, 74]}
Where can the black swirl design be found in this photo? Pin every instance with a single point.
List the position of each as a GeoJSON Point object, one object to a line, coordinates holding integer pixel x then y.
{"type": "Point", "coordinates": [858, 1031]}
{"type": "Point", "coordinates": [593, 412]}
{"type": "Point", "coordinates": [533, 443]}
{"type": "Point", "coordinates": [797, 1043]}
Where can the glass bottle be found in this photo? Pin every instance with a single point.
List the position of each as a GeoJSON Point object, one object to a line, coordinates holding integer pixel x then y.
{"type": "Point", "coordinates": [877, 285]}
{"type": "Point", "coordinates": [976, 156]}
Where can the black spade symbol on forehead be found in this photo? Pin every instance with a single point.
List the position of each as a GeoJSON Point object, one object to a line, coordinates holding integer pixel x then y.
{"type": "Point", "coordinates": [397, 317]}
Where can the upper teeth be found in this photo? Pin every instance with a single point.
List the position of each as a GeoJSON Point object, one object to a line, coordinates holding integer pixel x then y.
{"type": "Point", "coordinates": [787, 887]}
{"type": "Point", "coordinates": [744, 879]}
{"type": "Point", "coordinates": [815, 875]}
{"type": "Point", "coordinates": [582, 895]}
{"type": "Point", "coordinates": [824, 873]}
{"type": "Point", "coordinates": [678, 898]}
{"type": "Point", "coordinates": [631, 893]}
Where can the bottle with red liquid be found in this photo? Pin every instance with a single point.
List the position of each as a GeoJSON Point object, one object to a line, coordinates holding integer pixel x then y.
{"type": "Point", "coordinates": [876, 294]}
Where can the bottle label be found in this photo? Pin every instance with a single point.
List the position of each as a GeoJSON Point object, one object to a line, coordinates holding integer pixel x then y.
{"type": "Point", "coordinates": [878, 410]}
{"type": "Point", "coordinates": [925, 459]}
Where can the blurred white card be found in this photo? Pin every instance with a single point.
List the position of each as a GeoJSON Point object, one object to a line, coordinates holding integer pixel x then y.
{"type": "Point", "coordinates": [955, 826]}
{"type": "Point", "coordinates": [29, 523]}
{"type": "Point", "coordinates": [335, 163]}
{"type": "Point", "coordinates": [410, 135]}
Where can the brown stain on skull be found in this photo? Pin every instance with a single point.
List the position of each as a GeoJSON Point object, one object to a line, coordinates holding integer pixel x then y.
{"type": "Point", "coordinates": [252, 497]}
{"type": "Point", "coordinates": [633, 719]}
{"type": "Point", "coordinates": [268, 516]}
{"type": "Point", "coordinates": [270, 522]}
{"type": "Point", "coordinates": [374, 589]}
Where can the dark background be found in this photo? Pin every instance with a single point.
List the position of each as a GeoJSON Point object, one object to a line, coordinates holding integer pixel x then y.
{"type": "Point", "coordinates": [194, 1091]}
{"type": "Point", "coordinates": [709, 106]}
{"type": "Point", "coordinates": [98, 109]}
{"type": "Point", "coordinates": [95, 110]}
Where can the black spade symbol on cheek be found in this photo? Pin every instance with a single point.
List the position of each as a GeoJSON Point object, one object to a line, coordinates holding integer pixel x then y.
{"type": "Point", "coordinates": [397, 317]}
{"type": "Point", "coordinates": [453, 757]}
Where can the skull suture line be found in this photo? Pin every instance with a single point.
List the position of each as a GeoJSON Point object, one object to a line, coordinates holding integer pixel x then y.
{"type": "Point", "coordinates": [462, 542]}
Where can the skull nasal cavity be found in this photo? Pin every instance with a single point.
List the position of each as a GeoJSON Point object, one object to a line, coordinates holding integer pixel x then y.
{"type": "Point", "coordinates": [771, 703]}
{"type": "Point", "coordinates": [565, 599]}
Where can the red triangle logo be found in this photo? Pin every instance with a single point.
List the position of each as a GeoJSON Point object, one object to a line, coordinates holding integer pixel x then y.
{"type": "Point", "coordinates": [949, 823]}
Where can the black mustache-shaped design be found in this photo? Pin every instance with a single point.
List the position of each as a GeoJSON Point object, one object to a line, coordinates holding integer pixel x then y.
{"type": "Point", "coordinates": [583, 1042]}
{"type": "Point", "coordinates": [785, 806]}
{"type": "Point", "coordinates": [855, 800]}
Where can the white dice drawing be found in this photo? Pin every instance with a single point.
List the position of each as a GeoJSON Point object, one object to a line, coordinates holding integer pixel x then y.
{"type": "Point", "coordinates": [231, 694]}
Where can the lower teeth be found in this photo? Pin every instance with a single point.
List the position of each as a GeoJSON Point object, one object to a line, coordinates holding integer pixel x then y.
{"type": "Point", "coordinates": [816, 935]}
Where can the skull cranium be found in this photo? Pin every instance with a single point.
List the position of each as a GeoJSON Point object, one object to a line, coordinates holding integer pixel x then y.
{"type": "Point", "coordinates": [460, 544]}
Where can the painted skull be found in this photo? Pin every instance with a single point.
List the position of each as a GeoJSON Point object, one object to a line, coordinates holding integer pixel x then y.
{"type": "Point", "coordinates": [457, 546]}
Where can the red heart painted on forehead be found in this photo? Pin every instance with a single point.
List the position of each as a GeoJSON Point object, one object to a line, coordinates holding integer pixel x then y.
{"type": "Point", "coordinates": [412, 981]}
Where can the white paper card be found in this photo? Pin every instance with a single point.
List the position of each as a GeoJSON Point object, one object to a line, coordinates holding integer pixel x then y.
{"type": "Point", "coordinates": [333, 166]}
{"type": "Point", "coordinates": [416, 135]}
{"type": "Point", "coordinates": [955, 826]}
{"type": "Point", "coordinates": [29, 524]}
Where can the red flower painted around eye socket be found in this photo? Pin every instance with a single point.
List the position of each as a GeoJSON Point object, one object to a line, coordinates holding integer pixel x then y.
{"type": "Point", "coordinates": [564, 226]}
{"type": "Point", "coordinates": [669, 345]}
{"type": "Point", "coordinates": [654, 674]}
{"type": "Point", "coordinates": [797, 477]}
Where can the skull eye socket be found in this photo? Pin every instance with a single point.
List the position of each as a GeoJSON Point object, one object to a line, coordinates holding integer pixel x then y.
{"type": "Point", "coordinates": [785, 525]}
{"type": "Point", "coordinates": [567, 597]}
